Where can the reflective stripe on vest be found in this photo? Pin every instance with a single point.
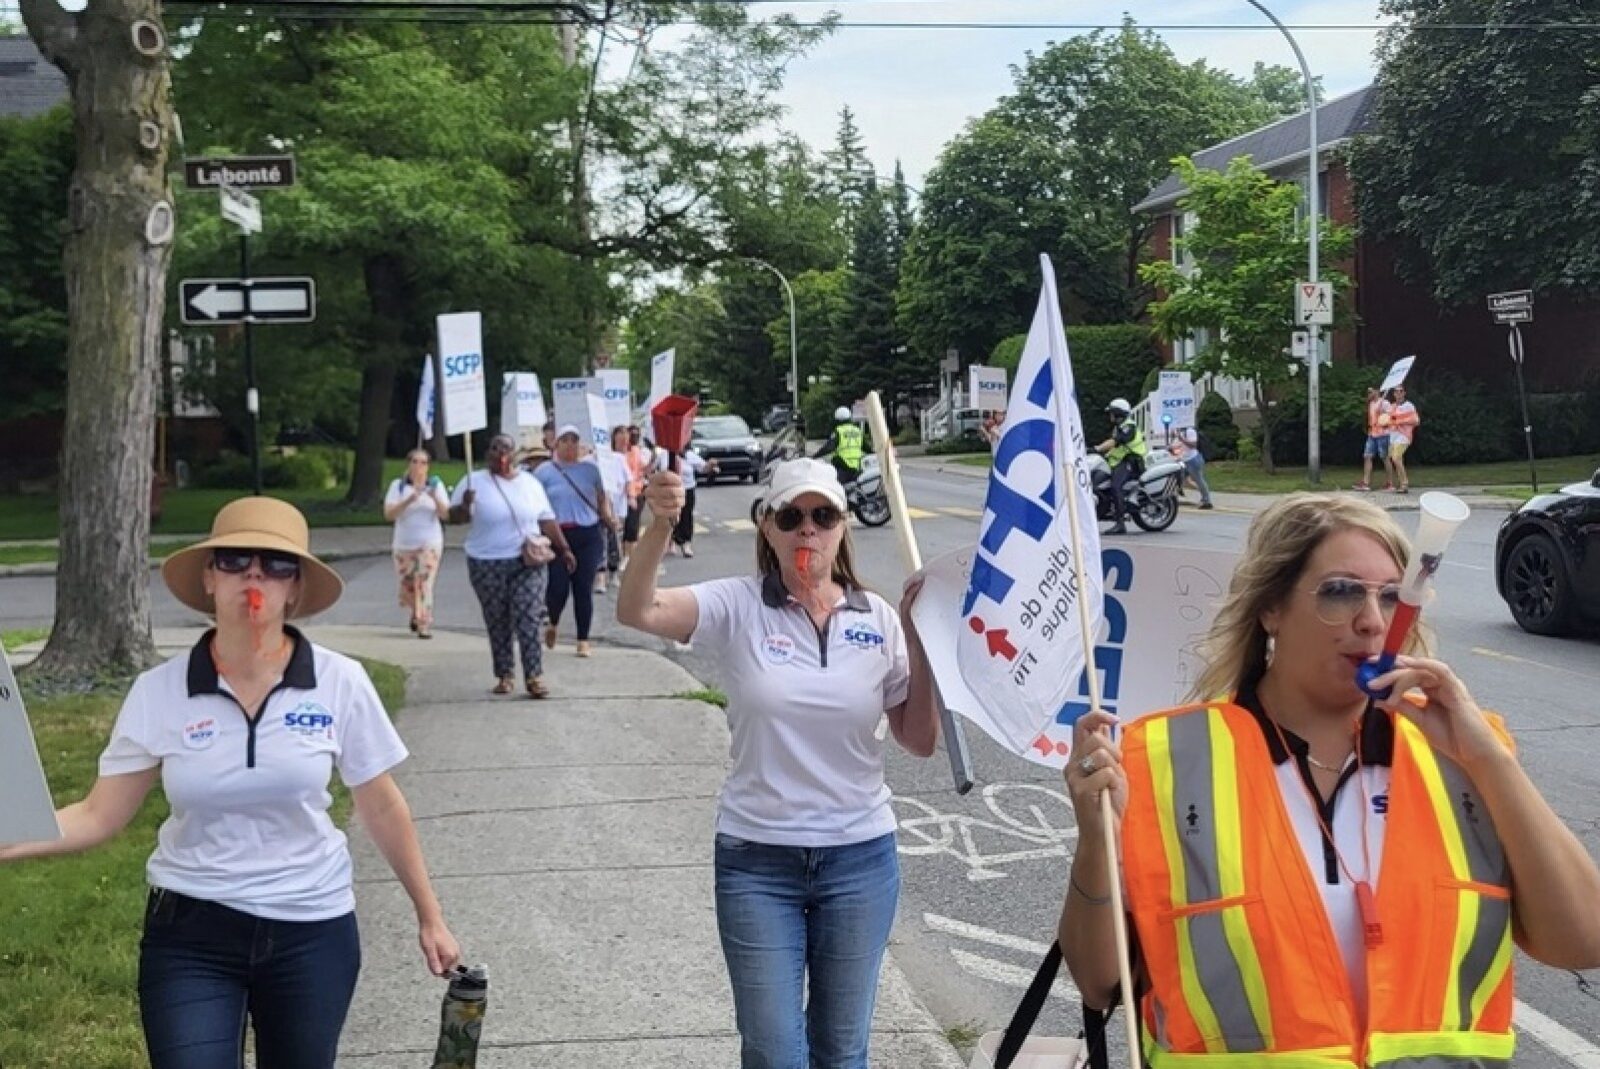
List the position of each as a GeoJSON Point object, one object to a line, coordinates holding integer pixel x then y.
{"type": "Point", "coordinates": [852, 443]}
{"type": "Point", "coordinates": [1207, 884]}
{"type": "Point", "coordinates": [1135, 446]}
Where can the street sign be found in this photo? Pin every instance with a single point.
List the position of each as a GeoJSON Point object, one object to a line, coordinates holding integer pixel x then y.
{"type": "Point", "coordinates": [240, 172]}
{"type": "Point", "coordinates": [1515, 306]}
{"type": "Point", "coordinates": [1313, 304]}
{"type": "Point", "coordinates": [1300, 344]}
{"type": "Point", "coordinates": [1514, 342]}
{"type": "Point", "coordinates": [209, 302]}
{"type": "Point", "coordinates": [241, 209]}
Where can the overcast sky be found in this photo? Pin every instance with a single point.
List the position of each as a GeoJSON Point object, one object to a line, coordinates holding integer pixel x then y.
{"type": "Point", "coordinates": [912, 90]}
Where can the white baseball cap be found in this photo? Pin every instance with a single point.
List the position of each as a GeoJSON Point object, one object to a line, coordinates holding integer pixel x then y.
{"type": "Point", "coordinates": [569, 428]}
{"type": "Point", "coordinates": [804, 476]}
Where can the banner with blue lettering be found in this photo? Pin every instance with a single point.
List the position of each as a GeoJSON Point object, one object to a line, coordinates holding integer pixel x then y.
{"type": "Point", "coordinates": [522, 411]}
{"type": "Point", "coordinates": [1019, 648]}
{"type": "Point", "coordinates": [618, 387]}
{"type": "Point", "coordinates": [466, 406]}
{"type": "Point", "coordinates": [1160, 600]}
{"type": "Point", "coordinates": [425, 395]}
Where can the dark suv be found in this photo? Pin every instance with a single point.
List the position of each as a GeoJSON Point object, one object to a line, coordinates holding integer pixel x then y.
{"type": "Point", "coordinates": [728, 441]}
{"type": "Point", "coordinates": [1547, 560]}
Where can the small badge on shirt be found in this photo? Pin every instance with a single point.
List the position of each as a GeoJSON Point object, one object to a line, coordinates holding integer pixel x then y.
{"type": "Point", "coordinates": [863, 637]}
{"type": "Point", "coordinates": [200, 734]}
{"type": "Point", "coordinates": [779, 649]}
{"type": "Point", "coordinates": [310, 721]}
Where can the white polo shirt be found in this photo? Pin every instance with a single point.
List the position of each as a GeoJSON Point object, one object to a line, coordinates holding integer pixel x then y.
{"type": "Point", "coordinates": [504, 513]}
{"type": "Point", "coordinates": [249, 827]}
{"type": "Point", "coordinates": [803, 709]}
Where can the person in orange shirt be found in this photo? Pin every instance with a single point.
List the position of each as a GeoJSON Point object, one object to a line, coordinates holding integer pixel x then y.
{"type": "Point", "coordinates": [1377, 444]}
{"type": "Point", "coordinates": [1310, 874]}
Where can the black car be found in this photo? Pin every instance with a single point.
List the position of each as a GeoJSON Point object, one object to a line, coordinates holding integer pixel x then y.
{"type": "Point", "coordinates": [1547, 560]}
{"type": "Point", "coordinates": [728, 441]}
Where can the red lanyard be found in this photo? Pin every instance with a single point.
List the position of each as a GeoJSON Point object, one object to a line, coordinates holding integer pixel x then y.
{"type": "Point", "coordinates": [1366, 900]}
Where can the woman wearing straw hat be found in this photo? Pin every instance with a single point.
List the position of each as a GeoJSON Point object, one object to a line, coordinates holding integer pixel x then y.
{"type": "Point", "coordinates": [251, 910]}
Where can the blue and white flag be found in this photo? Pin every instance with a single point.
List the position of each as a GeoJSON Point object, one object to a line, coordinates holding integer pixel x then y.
{"type": "Point", "coordinates": [425, 402]}
{"type": "Point", "coordinates": [1021, 646]}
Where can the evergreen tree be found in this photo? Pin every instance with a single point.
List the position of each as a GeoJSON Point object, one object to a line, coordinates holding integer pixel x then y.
{"type": "Point", "coordinates": [867, 359]}
{"type": "Point", "coordinates": [850, 175]}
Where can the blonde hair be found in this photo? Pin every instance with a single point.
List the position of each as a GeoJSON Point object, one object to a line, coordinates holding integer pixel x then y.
{"type": "Point", "coordinates": [844, 566]}
{"type": "Point", "coordinates": [1282, 539]}
{"type": "Point", "coordinates": [415, 453]}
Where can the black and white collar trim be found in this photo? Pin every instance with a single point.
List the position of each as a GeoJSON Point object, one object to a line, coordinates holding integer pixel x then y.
{"type": "Point", "coordinates": [300, 673]}
{"type": "Point", "coordinates": [774, 595]}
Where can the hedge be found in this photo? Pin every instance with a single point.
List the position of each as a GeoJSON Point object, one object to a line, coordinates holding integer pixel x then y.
{"type": "Point", "coordinates": [1109, 361]}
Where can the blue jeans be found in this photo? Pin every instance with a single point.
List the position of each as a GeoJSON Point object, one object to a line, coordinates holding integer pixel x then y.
{"type": "Point", "coordinates": [1196, 464]}
{"type": "Point", "coordinates": [784, 911]}
{"type": "Point", "coordinates": [203, 966]}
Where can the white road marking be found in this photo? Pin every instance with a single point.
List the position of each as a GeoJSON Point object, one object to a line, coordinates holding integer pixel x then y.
{"type": "Point", "coordinates": [1558, 1038]}
{"type": "Point", "coordinates": [739, 525]}
{"type": "Point", "coordinates": [1010, 975]}
{"type": "Point", "coordinates": [961, 513]}
{"type": "Point", "coordinates": [951, 926]}
{"type": "Point", "coordinates": [1483, 651]}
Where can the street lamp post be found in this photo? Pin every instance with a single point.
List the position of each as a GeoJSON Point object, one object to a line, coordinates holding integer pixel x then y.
{"type": "Point", "coordinates": [1313, 216]}
{"type": "Point", "coordinates": [794, 351]}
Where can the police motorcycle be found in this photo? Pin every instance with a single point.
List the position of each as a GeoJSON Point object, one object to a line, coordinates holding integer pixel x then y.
{"type": "Point", "coordinates": [1151, 500]}
{"type": "Point", "coordinates": [865, 497]}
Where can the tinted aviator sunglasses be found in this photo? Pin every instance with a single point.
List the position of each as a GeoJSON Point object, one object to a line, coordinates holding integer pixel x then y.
{"type": "Point", "coordinates": [274, 565]}
{"type": "Point", "coordinates": [1339, 600]}
{"type": "Point", "coordinates": [790, 516]}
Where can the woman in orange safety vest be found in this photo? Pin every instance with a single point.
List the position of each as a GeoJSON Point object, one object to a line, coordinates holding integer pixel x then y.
{"type": "Point", "coordinates": [1310, 874]}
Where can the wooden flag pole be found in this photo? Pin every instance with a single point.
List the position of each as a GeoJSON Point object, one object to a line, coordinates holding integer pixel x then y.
{"type": "Point", "coordinates": [955, 738]}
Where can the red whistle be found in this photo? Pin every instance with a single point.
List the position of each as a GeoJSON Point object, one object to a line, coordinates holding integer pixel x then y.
{"type": "Point", "coordinates": [1367, 903]}
{"type": "Point", "coordinates": [252, 597]}
{"type": "Point", "coordinates": [802, 559]}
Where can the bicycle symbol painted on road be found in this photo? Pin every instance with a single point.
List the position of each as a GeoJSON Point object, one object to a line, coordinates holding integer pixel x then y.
{"type": "Point", "coordinates": [1030, 823]}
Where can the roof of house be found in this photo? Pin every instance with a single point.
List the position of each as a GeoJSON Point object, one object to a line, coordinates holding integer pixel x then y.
{"type": "Point", "coordinates": [1283, 143]}
{"type": "Point", "coordinates": [29, 83]}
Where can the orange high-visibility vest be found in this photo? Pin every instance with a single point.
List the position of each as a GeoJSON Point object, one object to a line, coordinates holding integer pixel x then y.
{"type": "Point", "coordinates": [1244, 968]}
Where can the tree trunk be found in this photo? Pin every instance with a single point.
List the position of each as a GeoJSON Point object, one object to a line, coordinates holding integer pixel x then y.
{"type": "Point", "coordinates": [389, 299]}
{"type": "Point", "coordinates": [118, 246]}
{"type": "Point", "coordinates": [1265, 408]}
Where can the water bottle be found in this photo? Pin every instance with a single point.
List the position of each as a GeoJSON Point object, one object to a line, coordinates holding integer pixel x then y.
{"type": "Point", "coordinates": [461, 1018]}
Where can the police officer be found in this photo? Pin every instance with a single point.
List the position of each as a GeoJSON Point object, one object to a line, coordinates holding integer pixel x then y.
{"type": "Point", "coordinates": [845, 447]}
{"type": "Point", "coordinates": [1124, 451]}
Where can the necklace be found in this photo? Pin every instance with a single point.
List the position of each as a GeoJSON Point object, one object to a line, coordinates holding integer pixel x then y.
{"type": "Point", "coordinates": [1326, 768]}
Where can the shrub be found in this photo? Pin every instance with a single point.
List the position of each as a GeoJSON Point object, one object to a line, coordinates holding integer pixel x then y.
{"type": "Point", "coordinates": [1344, 415]}
{"type": "Point", "coordinates": [300, 471]}
{"type": "Point", "coordinates": [1563, 424]}
{"type": "Point", "coordinates": [909, 435]}
{"type": "Point", "coordinates": [1008, 353]}
{"type": "Point", "coordinates": [1214, 418]}
{"type": "Point", "coordinates": [1108, 361]}
{"type": "Point", "coordinates": [967, 442]}
{"type": "Point", "coordinates": [1463, 422]}
{"type": "Point", "coordinates": [816, 408]}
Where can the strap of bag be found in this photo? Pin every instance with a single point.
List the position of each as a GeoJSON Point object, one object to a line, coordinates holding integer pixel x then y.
{"type": "Point", "coordinates": [592, 507]}
{"type": "Point", "coordinates": [509, 506]}
{"type": "Point", "coordinates": [1028, 1010]}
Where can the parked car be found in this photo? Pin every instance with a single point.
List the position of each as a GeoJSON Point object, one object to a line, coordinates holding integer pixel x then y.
{"type": "Point", "coordinates": [1547, 560]}
{"type": "Point", "coordinates": [728, 441]}
{"type": "Point", "coordinates": [777, 418]}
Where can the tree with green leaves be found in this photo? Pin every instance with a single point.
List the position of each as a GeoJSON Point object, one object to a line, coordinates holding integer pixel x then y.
{"type": "Point", "coordinates": [1485, 166]}
{"type": "Point", "coordinates": [36, 160]}
{"type": "Point", "coordinates": [866, 359]}
{"type": "Point", "coordinates": [118, 246]}
{"type": "Point", "coordinates": [1245, 251]}
{"type": "Point", "coordinates": [849, 173]}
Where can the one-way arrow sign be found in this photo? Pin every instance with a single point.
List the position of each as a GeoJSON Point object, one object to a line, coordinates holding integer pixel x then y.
{"type": "Point", "coordinates": [212, 301]}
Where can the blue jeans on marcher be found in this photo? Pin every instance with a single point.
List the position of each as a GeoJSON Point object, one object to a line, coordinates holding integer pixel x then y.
{"type": "Point", "coordinates": [203, 967]}
{"type": "Point", "coordinates": [786, 911]}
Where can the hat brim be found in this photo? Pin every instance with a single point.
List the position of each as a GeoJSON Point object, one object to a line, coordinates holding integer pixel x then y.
{"type": "Point", "coordinates": [834, 494]}
{"type": "Point", "coordinates": [184, 573]}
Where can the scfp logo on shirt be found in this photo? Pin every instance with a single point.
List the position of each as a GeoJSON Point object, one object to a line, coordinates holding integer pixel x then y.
{"type": "Point", "coordinates": [863, 636]}
{"type": "Point", "coordinates": [310, 720]}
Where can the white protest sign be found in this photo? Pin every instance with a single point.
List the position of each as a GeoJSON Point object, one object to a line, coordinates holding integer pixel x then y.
{"type": "Point", "coordinates": [466, 407]}
{"type": "Point", "coordinates": [618, 393]}
{"type": "Point", "coordinates": [522, 411]}
{"type": "Point", "coordinates": [987, 388]}
{"type": "Point", "coordinates": [1159, 604]}
{"type": "Point", "coordinates": [599, 424]}
{"type": "Point", "coordinates": [571, 401]}
{"type": "Point", "coordinates": [1397, 373]}
{"type": "Point", "coordinates": [1175, 398]}
{"type": "Point", "coordinates": [661, 366]}
{"type": "Point", "coordinates": [27, 814]}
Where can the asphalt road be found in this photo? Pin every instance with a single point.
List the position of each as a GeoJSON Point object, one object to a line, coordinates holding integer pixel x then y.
{"type": "Point", "coordinates": [984, 873]}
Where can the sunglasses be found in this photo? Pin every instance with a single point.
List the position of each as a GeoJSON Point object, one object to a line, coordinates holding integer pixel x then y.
{"type": "Point", "coordinates": [274, 565]}
{"type": "Point", "coordinates": [1339, 601]}
{"type": "Point", "coordinates": [790, 516]}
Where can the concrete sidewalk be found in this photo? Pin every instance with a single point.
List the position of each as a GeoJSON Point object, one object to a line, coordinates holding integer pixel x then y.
{"type": "Point", "coordinates": [570, 842]}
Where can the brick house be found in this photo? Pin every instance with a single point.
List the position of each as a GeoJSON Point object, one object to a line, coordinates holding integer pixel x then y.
{"type": "Point", "coordinates": [1393, 318]}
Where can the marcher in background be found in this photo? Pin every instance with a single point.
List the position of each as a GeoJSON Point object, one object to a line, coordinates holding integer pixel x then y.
{"type": "Point", "coordinates": [1377, 444]}
{"type": "Point", "coordinates": [991, 428]}
{"type": "Point", "coordinates": [806, 873]}
{"type": "Point", "coordinates": [845, 447]}
{"type": "Point", "coordinates": [577, 494]}
{"type": "Point", "coordinates": [415, 504]}
{"type": "Point", "coordinates": [639, 459]}
{"type": "Point", "coordinates": [1403, 420]}
{"type": "Point", "coordinates": [1288, 841]}
{"type": "Point", "coordinates": [691, 465]}
{"type": "Point", "coordinates": [251, 912]}
{"type": "Point", "coordinates": [507, 507]}
{"type": "Point", "coordinates": [1124, 451]}
{"type": "Point", "coordinates": [613, 464]}
{"type": "Point", "coordinates": [1187, 449]}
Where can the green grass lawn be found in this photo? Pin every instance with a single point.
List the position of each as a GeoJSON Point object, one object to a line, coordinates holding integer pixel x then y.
{"type": "Point", "coordinates": [69, 927]}
{"type": "Point", "coordinates": [1507, 478]}
{"type": "Point", "coordinates": [183, 512]}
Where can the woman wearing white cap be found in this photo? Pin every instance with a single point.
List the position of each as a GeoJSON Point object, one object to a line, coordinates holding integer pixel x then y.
{"type": "Point", "coordinates": [251, 911]}
{"type": "Point", "coordinates": [578, 497]}
{"type": "Point", "coordinates": [806, 873]}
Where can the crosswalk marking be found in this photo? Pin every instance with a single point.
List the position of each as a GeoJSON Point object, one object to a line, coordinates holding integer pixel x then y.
{"type": "Point", "coordinates": [739, 525]}
{"type": "Point", "coordinates": [919, 514]}
{"type": "Point", "coordinates": [961, 513]}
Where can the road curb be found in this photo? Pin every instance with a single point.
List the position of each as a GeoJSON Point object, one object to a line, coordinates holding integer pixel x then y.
{"type": "Point", "coordinates": [49, 567]}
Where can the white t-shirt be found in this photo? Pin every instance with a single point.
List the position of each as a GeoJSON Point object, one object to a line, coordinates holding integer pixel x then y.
{"type": "Point", "coordinates": [690, 465]}
{"type": "Point", "coordinates": [249, 827]}
{"type": "Point", "coordinates": [803, 709]}
{"type": "Point", "coordinates": [497, 532]}
{"type": "Point", "coordinates": [614, 474]}
{"type": "Point", "coordinates": [418, 527]}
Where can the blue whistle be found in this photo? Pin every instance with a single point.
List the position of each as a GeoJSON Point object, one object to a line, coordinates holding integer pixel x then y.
{"type": "Point", "coordinates": [1370, 671]}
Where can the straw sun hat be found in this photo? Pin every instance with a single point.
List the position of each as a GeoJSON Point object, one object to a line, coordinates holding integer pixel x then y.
{"type": "Point", "coordinates": [254, 523]}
